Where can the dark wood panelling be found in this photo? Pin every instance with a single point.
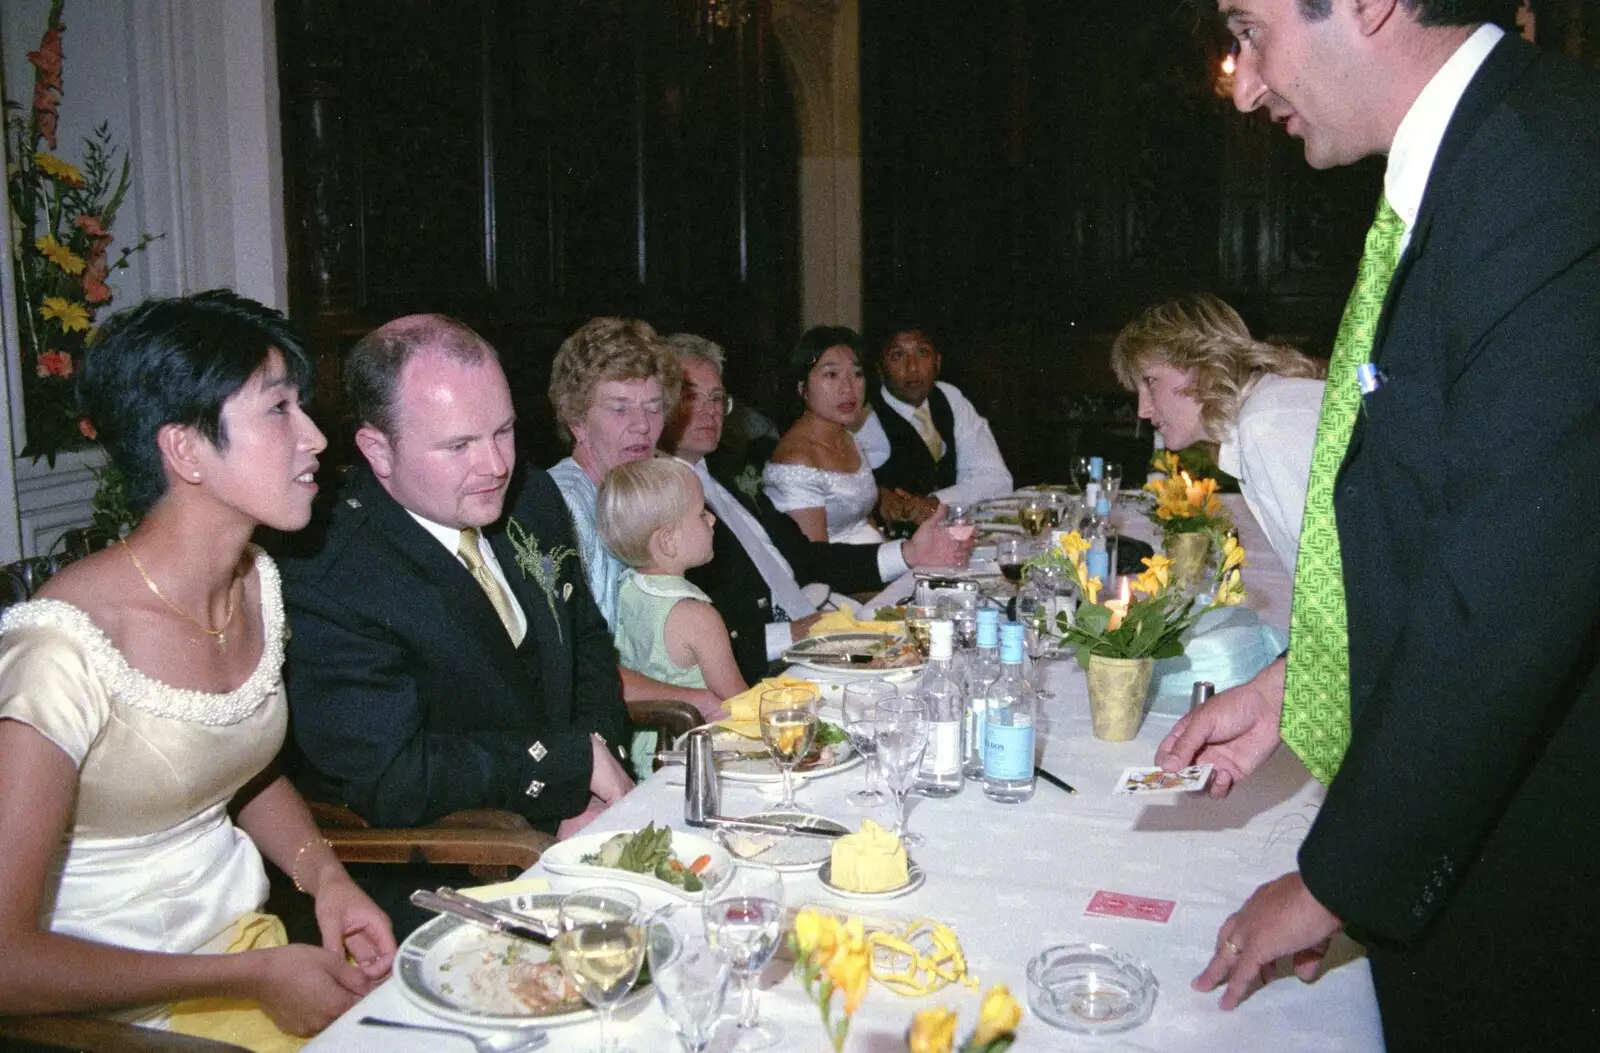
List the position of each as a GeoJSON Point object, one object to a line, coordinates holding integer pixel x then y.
{"type": "Point", "coordinates": [528, 164]}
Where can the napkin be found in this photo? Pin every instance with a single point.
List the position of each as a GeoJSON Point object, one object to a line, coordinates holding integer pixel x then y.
{"type": "Point", "coordinates": [505, 889]}
{"type": "Point", "coordinates": [844, 620]}
{"type": "Point", "coordinates": [1227, 646]}
{"type": "Point", "coordinates": [744, 709]}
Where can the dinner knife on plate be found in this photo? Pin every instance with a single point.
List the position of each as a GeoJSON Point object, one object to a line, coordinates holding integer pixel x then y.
{"type": "Point", "coordinates": [486, 915]}
{"type": "Point", "coordinates": [780, 829]}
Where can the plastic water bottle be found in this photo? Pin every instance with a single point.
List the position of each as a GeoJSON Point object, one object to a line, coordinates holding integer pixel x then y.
{"type": "Point", "coordinates": [943, 705]}
{"type": "Point", "coordinates": [1101, 557]}
{"type": "Point", "coordinates": [1008, 726]}
{"type": "Point", "coordinates": [983, 669]}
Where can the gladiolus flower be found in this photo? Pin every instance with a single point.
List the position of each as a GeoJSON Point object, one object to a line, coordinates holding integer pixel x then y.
{"type": "Point", "coordinates": [998, 1016]}
{"type": "Point", "coordinates": [59, 254]}
{"type": "Point", "coordinates": [74, 317]}
{"type": "Point", "coordinates": [56, 168]}
{"type": "Point", "coordinates": [54, 364]}
{"type": "Point", "coordinates": [932, 1031]}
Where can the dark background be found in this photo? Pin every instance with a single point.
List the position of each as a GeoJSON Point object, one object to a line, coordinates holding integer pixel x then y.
{"type": "Point", "coordinates": [1035, 172]}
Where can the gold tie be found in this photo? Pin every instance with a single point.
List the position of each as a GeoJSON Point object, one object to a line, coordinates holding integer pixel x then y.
{"type": "Point", "coordinates": [930, 435]}
{"type": "Point", "coordinates": [468, 551]}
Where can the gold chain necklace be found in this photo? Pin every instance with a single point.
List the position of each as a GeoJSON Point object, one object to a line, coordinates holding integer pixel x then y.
{"type": "Point", "coordinates": [221, 633]}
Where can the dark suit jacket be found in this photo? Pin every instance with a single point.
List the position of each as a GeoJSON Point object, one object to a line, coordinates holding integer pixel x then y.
{"type": "Point", "coordinates": [741, 595]}
{"type": "Point", "coordinates": [407, 698]}
{"type": "Point", "coordinates": [910, 466]}
{"type": "Point", "coordinates": [1462, 834]}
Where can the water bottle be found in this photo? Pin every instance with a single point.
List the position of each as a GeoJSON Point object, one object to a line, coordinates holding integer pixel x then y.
{"type": "Point", "coordinates": [1101, 557]}
{"type": "Point", "coordinates": [1008, 726]}
{"type": "Point", "coordinates": [942, 705]}
{"type": "Point", "coordinates": [1154, 474]}
{"type": "Point", "coordinates": [983, 669]}
{"type": "Point", "coordinates": [1097, 468]}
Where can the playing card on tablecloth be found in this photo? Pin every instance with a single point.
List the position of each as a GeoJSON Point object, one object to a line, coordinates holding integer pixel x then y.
{"type": "Point", "coordinates": [1157, 780]}
{"type": "Point", "coordinates": [1124, 905]}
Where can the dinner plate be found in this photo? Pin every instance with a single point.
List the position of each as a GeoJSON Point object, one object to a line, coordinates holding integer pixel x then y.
{"type": "Point", "coordinates": [813, 653]}
{"type": "Point", "coordinates": [565, 858]}
{"type": "Point", "coordinates": [914, 879]}
{"type": "Point", "coordinates": [452, 969]}
{"type": "Point", "coordinates": [741, 759]}
{"type": "Point", "coordinates": [796, 854]}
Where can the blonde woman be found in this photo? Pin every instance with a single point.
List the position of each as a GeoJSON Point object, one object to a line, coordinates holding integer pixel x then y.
{"type": "Point", "coordinates": [1201, 377]}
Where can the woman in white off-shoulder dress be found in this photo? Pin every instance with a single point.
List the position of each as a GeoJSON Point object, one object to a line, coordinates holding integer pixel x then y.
{"type": "Point", "coordinates": [817, 474]}
{"type": "Point", "coordinates": [141, 702]}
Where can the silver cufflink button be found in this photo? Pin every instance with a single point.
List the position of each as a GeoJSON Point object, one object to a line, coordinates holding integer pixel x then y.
{"type": "Point", "coordinates": [537, 751]}
{"type": "Point", "coordinates": [535, 788]}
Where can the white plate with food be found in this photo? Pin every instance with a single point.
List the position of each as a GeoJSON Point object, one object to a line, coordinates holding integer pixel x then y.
{"type": "Point", "coordinates": [659, 858]}
{"type": "Point", "coordinates": [914, 879]}
{"type": "Point", "coordinates": [742, 759]}
{"type": "Point", "coordinates": [856, 654]}
{"type": "Point", "coordinates": [798, 854]}
{"type": "Point", "coordinates": [459, 972]}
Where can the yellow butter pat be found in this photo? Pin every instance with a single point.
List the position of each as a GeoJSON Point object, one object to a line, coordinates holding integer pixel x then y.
{"type": "Point", "coordinates": [869, 860]}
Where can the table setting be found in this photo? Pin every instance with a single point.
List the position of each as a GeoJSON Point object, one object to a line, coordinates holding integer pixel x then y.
{"type": "Point", "coordinates": [857, 913]}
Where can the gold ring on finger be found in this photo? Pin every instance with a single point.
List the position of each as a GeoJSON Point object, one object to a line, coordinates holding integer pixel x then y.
{"type": "Point", "coordinates": [1233, 948]}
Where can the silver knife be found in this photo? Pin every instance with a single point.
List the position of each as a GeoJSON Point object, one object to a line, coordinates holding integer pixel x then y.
{"type": "Point", "coordinates": [781, 829]}
{"type": "Point", "coordinates": [485, 915]}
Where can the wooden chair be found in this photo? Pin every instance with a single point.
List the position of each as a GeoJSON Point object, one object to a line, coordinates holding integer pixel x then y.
{"type": "Point", "coordinates": [93, 1035]}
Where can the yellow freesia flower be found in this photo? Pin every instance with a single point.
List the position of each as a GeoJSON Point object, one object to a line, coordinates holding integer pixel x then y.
{"type": "Point", "coordinates": [1091, 589]}
{"type": "Point", "coordinates": [72, 316]}
{"type": "Point", "coordinates": [1073, 546]}
{"type": "Point", "coordinates": [1230, 590]}
{"type": "Point", "coordinates": [999, 1015]}
{"type": "Point", "coordinates": [932, 1031]}
{"type": "Point", "coordinates": [1232, 554]}
{"type": "Point", "coordinates": [807, 931]}
{"type": "Point", "coordinates": [59, 254]}
{"type": "Point", "coordinates": [56, 168]}
{"type": "Point", "coordinates": [850, 967]}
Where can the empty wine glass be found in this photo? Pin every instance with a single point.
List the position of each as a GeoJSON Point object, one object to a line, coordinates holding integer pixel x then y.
{"type": "Point", "coordinates": [743, 923]}
{"type": "Point", "coordinates": [601, 947]}
{"type": "Point", "coordinates": [860, 706]}
{"type": "Point", "coordinates": [690, 978]}
{"type": "Point", "coordinates": [788, 726]}
{"type": "Point", "coordinates": [902, 738]}
{"type": "Point", "coordinates": [1078, 469]}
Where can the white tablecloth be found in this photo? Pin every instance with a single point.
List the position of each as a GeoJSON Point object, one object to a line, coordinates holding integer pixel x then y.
{"type": "Point", "coordinates": [1012, 880]}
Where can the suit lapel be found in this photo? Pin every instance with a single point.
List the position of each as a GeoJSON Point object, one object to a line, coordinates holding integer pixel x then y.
{"type": "Point", "coordinates": [459, 598]}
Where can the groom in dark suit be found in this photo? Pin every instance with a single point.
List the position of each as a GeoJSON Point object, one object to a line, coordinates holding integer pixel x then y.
{"type": "Point", "coordinates": [1460, 836]}
{"type": "Point", "coordinates": [446, 653]}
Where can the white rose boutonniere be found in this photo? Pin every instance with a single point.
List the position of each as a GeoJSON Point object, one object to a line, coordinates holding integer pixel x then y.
{"type": "Point", "coordinates": [542, 567]}
{"type": "Point", "coordinates": [749, 482]}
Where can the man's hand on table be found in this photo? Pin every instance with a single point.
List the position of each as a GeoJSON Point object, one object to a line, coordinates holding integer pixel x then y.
{"type": "Point", "coordinates": [933, 545]}
{"type": "Point", "coordinates": [608, 782]}
{"type": "Point", "coordinates": [1280, 918]}
{"type": "Point", "coordinates": [800, 628]}
{"type": "Point", "coordinates": [896, 504]}
{"type": "Point", "coordinates": [1234, 732]}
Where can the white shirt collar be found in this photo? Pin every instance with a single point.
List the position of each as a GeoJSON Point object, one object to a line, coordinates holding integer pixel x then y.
{"type": "Point", "coordinates": [449, 537]}
{"type": "Point", "coordinates": [1416, 141]}
{"type": "Point", "coordinates": [905, 409]}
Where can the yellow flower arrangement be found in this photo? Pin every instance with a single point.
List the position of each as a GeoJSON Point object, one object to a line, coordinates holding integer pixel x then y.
{"type": "Point", "coordinates": [832, 955]}
{"type": "Point", "coordinates": [61, 216]}
{"type": "Point", "coordinates": [934, 1030]}
{"type": "Point", "coordinates": [1149, 619]}
{"type": "Point", "coordinates": [1182, 504]}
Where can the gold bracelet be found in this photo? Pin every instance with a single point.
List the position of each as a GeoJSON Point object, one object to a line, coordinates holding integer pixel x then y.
{"type": "Point", "coordinates": [294, 868]}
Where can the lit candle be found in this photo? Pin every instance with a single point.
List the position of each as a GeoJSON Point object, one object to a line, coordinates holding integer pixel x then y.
{"type": "Point", "coordinates": [1195, 492]}
{"type": "Point", "coordinates": [1118, 608]}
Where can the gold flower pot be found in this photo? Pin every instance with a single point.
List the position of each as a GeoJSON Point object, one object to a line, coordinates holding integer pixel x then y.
{"type": "Point", "coordinates": [1188, 553]}
{"type": "Point", "coordinates": [1117, 690]}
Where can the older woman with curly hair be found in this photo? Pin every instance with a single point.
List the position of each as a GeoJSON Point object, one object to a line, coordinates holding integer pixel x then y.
{"type": "Point", "coordinates": [612, 385]}
{"type": "Point", "coordinates": [1201, 377]}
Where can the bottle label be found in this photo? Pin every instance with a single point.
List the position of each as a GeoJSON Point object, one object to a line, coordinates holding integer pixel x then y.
{"type": "Point", "coordinates": [1097, 563]}
{"type": "Point", "coordinates": [1008, 752]}
{"type": "Point", "coordinates": [944, 748]}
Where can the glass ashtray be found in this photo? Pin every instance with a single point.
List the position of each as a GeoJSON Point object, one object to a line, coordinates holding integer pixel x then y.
{"type": "Point", "coordinates": [1090, 988]}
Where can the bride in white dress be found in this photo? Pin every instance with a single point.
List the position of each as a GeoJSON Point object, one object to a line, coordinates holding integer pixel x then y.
{"type": "Point", "coordinates": [141, 704]}
{"type": "Point", "coordinates": [817, 474]}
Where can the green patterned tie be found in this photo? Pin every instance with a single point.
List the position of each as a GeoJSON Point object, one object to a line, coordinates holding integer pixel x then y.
{"type": "Point", "coordinates": [1316, 697]}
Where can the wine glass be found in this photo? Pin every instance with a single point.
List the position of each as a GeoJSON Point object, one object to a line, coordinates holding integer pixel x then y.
{"type": "Point", "coordinates": [1111, 482]}
{"type": "Point", "coordinates": [788, 724]}
{"type": "Point", "coordinates": [1011, 553]}
{"type": "Point", "coordinates": [1078, 469]}
{"type": "Point", "coordinates": [958, 520]}
{"type": "Point", "coordinates": [1034, 515]}
{"type": "Point", "coordinates": [902, 738]}
{"type": "Point", "coordinates": [861, 698]}
{"type": "Point", "coordinates": [1036, 607]}
{"type": "Point", "coordinates": [690, 978]}
{"type": "Point", "coordinates": [743, 923]}
{"type": "Point", "coordinates": [601, 947]}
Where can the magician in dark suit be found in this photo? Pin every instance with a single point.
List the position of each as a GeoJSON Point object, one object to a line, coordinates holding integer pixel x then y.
{"type": "Point", "coordinates": [416, 688]}
{"type": "Point", "coordinates": [760, 555]}
{"type": "Point", "coordinates": [1460, 836]}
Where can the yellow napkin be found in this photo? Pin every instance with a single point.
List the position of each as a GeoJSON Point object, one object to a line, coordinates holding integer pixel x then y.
{"type": "Point", "coordinates": [844, 620]}
{"type": "Point", "coordinates": [505, 889]}
{"type": "Point", "coordinates": [238, 1020]}
{"type": "Point", "coordinates": [744, 709]}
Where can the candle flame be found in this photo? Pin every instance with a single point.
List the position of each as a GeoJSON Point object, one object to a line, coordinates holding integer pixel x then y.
{"type": "Point", "coordinates": [1228, 66]}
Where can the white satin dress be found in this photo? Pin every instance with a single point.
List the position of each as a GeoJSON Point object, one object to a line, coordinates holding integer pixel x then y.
{"type": "Point", "coordinates": [847, 498]}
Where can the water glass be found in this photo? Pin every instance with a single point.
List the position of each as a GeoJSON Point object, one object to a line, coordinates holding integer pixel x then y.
{"type": "Point", "coordinates": [601, 946]}
{"type": "Point", "coordinates": [1111, 482]}
{"type": "Point", "coordinates": [958, 520]}
{"type": "Point", "coordinates": [861, 698]}
{"type": "Point", "coordinates": [744, 922]}
{"type": "Point", "coordinates": [690, 978]}
{"type": "Point", "coordinates": [902, 739]}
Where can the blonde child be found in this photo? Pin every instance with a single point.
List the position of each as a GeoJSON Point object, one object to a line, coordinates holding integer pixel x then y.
{"type": "Point", "coordinates": [652, 516]}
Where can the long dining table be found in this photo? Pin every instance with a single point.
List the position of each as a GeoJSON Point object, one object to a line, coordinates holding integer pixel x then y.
{"type": "Point", "coordinates": [1013, 880]}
